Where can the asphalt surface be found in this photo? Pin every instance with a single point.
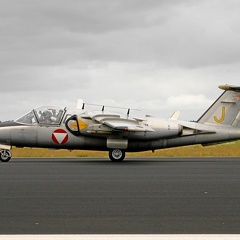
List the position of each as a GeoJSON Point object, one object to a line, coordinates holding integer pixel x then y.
{"type": "Point", "coordinates": [137, 196]}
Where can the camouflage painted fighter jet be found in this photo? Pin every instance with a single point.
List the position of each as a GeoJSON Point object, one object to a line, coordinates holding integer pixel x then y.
{"type": "Point", "coordinates": [62, 128]}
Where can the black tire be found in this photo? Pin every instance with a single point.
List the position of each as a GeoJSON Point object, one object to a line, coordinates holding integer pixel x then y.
{"type": "Point", "coordinates": [116, 155]}
{"type": "Point", "coordinates": [5, 155]}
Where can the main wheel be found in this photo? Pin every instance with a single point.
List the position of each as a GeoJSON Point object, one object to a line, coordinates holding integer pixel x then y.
{"type": "Point", "coordinates": [116, 155]}
{"type": "Point", "coordinates": [5, 155]}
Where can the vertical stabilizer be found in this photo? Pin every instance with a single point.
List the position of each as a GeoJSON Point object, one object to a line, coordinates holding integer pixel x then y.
{"type": "Point", "coordinates": [226, 109]}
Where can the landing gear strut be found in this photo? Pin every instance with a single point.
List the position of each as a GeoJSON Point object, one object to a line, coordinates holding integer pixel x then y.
{"type": "Point", "coordinates": [5, 155]}
{"type": "Point", "coordinates": [117, 155]}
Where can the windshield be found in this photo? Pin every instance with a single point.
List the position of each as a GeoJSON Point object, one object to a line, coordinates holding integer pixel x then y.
{"type": "Point", "coordinates": [49, 115]}
{"type": "Point", "coordinates": [43, 115]}
{"type": "Point", "coordinates": [28, 118]}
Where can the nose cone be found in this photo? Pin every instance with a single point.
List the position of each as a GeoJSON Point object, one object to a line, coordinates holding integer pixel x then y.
{"type": "Point", "coordinates": [5, 129]}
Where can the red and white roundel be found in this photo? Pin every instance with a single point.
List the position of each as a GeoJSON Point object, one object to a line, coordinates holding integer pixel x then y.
{"type": "Point", "coordinates": [60, 136]}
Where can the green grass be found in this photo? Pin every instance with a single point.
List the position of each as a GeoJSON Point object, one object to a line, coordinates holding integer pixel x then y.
{"type": "Point", "coordinates": [227, 149]}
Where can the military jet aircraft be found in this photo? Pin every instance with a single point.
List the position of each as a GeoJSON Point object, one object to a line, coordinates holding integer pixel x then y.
{"type": "Point", "coordinates": [62, 128]}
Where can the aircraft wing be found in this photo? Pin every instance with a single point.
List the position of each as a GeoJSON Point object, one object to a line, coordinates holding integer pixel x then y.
{"type": "Point", "coordinates": [115, 122]}
{"type": "Point", "coordinates": [126, 125]}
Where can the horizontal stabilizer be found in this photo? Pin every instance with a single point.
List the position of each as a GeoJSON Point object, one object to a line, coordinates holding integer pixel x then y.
{"type": "Point", "coordinates": [229, 88]}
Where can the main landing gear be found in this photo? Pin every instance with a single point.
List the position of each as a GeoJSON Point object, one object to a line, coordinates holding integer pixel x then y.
{"type": "Point", "coordinates": [117, 155]}
{"type": "Point", "coordinates": [5, 155]}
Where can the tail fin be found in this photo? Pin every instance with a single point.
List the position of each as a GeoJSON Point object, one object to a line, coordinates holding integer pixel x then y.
{"type": "Point", "coordinates": [226, 109]}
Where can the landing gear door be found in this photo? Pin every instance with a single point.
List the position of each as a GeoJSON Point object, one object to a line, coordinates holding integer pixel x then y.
{"type": "Point", "coordinates": [72, 125]}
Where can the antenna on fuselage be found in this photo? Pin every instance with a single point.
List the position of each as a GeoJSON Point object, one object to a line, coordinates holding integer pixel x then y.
{"type": "Point", "coordinates": [80, 104]}
{"type": "Point", "coordinates": [128, 112]}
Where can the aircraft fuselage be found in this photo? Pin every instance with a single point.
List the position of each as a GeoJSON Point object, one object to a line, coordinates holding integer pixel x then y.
{"type": "Point", "coordinates": [62, 128]}
{"type": "Point", "coordinates": [59, 137]}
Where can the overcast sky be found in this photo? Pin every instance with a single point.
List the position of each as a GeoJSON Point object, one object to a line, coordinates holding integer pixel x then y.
{"type": "Point", "coordinates": [158, 56]}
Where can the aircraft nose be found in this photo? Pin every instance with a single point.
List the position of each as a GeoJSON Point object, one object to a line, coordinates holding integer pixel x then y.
{"type": "Point", "coordinates": [5, 134]}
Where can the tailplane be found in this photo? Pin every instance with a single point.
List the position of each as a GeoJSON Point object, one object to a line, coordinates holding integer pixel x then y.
{"type": "Point", "coordinates": [226, 109]}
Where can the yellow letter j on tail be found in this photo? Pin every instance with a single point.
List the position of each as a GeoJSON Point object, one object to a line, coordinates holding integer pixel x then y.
{"type": "Point", "coordinates": [222, 117]}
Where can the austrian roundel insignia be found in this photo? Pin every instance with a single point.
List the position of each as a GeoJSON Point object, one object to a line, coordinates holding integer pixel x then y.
{"type": "Point", "coordinates": [60, 136]}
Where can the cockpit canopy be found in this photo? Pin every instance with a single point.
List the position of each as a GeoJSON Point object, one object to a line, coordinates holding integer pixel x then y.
{"type": "Point", "coordinates": [43, 115]}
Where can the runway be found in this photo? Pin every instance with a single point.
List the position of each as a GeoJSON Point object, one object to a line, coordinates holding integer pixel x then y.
{"type": "Point", "coordinates": [137, 196]}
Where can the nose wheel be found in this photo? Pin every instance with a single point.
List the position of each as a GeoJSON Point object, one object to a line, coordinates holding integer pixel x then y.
{"type": "Point", "coordinates": [116, 155]}
{"type": "Point", "coordinates": [5, 155]}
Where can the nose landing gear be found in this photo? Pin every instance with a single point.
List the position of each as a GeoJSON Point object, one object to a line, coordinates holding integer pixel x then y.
{"type": "Point", "coordinates": [5, 155]}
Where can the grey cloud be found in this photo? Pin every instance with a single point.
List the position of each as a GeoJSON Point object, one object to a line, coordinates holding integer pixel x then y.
{"type": "Point", "coordinates": [125, 52]}
{"type": "Point", "coordinates": [48, 32]}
